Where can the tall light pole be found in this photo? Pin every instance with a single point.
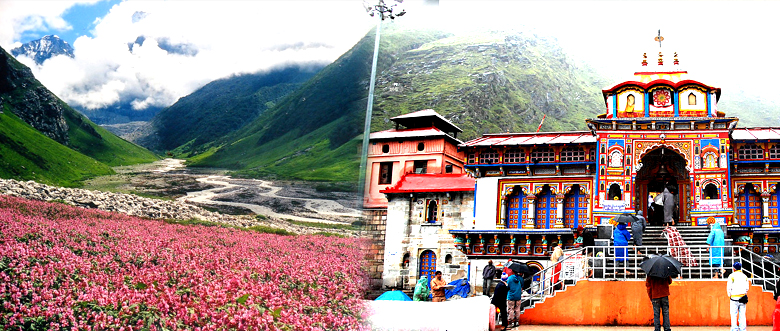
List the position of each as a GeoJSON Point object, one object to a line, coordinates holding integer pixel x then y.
{"type": "Point", "coordinates": [383, 11]}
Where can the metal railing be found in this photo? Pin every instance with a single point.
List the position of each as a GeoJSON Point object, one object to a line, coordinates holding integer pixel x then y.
{"type": "Point", "coordinates": [600, 263]}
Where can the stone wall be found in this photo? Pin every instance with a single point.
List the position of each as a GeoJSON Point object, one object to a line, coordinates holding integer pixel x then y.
{"type": "Point", "coordinates": [409, 234]}
{"type": "Point", "coordinates": [376, 222]}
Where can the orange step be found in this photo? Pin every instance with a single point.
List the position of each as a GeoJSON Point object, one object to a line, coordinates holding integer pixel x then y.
{"type": "Point", "coordinates": [691, 303]}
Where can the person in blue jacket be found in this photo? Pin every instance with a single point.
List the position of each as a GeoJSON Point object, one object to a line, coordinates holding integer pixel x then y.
{"type": "Point", "coordinates": [513, 296]}
{"type": "Point", "coordinates": [716, 238]}
{"type": "Point", "coordinates": [621, 237]}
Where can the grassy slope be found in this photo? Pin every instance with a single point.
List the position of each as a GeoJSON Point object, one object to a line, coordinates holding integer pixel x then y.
{"type": "Point", "coordinates": [491, 82]}
{"type": "Point", "coordinates": [26, 154]}
{"type": "Point", "coordinates": [96, 142]}
{"type": "Point", "coordinates": [196, 121]}
{"type": "Point", "coordinates": [483, 82]}
{"type": "Point", "coordinates": [312, 133]}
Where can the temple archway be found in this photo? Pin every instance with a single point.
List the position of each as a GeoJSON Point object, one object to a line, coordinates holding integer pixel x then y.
{"type": "Point", "coordinates": [662, 168]}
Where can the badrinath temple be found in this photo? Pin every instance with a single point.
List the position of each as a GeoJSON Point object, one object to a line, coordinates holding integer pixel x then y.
{"type": "Point", "coordinates": [439, 203]}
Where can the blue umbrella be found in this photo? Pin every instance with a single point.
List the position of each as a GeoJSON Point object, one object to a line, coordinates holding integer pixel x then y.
{"type": "Point", "coordinates": [394, 296]}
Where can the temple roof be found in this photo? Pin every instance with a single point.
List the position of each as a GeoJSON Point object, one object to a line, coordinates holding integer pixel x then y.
{"type": "Point", "coordinates": [429, 132]}
{"type": "Point", "coordinates": [754, 134]}
{"type": "Point", "coordinates": [426, 118]}
{"type": "Point", "coordinates": [531, 138]}
{"type": "Point", "coordinates": [412, 183]}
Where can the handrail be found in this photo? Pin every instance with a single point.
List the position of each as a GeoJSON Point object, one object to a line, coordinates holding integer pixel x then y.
{"type": "Point", "coordinates": [600, 263]}
{"type": "Point", "coordinates": [550, 277]}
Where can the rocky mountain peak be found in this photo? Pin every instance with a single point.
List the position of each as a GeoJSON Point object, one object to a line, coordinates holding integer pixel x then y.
{"type": "Point", "coordinates": [31, 101]}
{"type": "Point", "coordinates": [43, 49]}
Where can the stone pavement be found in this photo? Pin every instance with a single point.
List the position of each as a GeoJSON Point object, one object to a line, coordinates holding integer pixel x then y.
{"type": "Point", "coordinates": [629, 328]}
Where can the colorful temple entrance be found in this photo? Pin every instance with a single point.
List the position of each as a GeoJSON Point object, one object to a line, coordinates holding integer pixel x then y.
{"type": "Point", "coordinates": [662, 169]}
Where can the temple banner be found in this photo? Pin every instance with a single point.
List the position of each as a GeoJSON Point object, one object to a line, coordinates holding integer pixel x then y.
{"type": "Point", "coordinates": [710, 205]}
{"type": "Point", "coordinates": [613, 205]}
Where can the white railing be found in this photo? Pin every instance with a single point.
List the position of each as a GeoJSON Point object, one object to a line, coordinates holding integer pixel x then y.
{"type": "Point", "coordinates": [599, 263]}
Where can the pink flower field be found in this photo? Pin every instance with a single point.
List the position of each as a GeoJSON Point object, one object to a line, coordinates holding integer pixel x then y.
{"type": "Point", "coordinates": [63, 267]}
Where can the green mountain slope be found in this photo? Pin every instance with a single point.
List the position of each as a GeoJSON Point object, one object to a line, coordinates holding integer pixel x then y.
{"type": "Point", "coordinates": [194, 122]}
{"type": "Point", "coordinates": [485, 82]}
{"type": "Point", "coordinates": [26, 154]}
{"type": "Point", "coordinates": [47, 140]}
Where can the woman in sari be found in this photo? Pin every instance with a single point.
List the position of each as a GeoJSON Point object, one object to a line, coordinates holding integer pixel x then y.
{"type": "Point", "coordinates": [683, 253]}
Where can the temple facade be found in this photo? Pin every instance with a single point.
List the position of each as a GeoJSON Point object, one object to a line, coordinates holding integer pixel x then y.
{"type": "Point", "coordinates": [660, 130]}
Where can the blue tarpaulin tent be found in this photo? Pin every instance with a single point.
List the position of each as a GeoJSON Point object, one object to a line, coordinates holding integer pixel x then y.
{"type": "Point", "coordinates": [462, 288]}
{"type": "Point", "coordinates": [394, 296]}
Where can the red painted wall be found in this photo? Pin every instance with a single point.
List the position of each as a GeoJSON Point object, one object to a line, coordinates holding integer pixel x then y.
{"type": "Point", "coordinates": [691, 303]}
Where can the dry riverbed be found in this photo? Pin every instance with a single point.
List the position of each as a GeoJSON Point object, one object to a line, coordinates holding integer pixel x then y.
{"type": "Point", "coordinates": [302, 207]}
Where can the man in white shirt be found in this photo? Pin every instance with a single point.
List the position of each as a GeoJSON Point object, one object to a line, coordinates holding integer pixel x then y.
{"type": "Point", "coordinates": [737, 289]}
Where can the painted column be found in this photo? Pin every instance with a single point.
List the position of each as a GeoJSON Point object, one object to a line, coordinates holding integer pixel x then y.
{"type": "Point", "coordinates": [531, 222]}
{"type": "Point", "coordinates": [502, 213]}
{"type": "Point", "coordinates": [559, 211]}
{"type": "Point", "coordinates": [590, 212]}
{"type": "Point", "coordinates": [765, 219]}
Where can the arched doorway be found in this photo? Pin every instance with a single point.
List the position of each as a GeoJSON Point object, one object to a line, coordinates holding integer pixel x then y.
{"type": "Point", "coordinates": [428, 265]}
{"type": "Point", "coordinates": [517, 209]}
{"type": "Point", "coordinates": [662, 168]}
{"type": "Point", "coordinates": [545, 208]}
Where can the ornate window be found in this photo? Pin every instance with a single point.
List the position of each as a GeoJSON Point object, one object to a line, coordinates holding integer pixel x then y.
{"type": "Point", "coordinates": [432, 212]}
{"type": "Point", "coordinates": [421, 166]}
{"type": "Point", "coordinates": [692, 99]}
{"type": "Point", "coordinates": [572, 154]}
{"type": "Point", "coordinates": [711, 191]}
{"type": "Point", "coordinates": [488, 157]}
{"type": "Point", "coordinates": [751, 152]}
{"type": "Point", "coordinates": [471, 158]}
{"type": "Point", "coordinates": [615, 192]}
{"type": "Point", "coordinates": [710, 160]}
{"type": "Point", "coordinates": [543, 154]}
{"type": "Point", "coordinates": [774, 151]}
{"type": "Point", "coordinates": [514, 156]}
{"type": "Point", "coordinates": [386, 173]}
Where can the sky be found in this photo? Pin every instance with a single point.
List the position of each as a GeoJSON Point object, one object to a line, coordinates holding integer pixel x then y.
{"type": "Point", "coordinates": [185, 44]}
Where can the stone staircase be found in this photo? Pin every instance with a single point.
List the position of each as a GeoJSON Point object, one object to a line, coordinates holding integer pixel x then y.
{"type": "Point", "coordinates": [693, 235]}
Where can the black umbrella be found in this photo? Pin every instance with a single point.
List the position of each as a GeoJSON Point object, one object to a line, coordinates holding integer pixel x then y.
{"type": "Point", "coordinates": [518, 267]}
{"type": "Point", "coordinates": [626, 218]}
{"type": "Point", "coordinates": [662, 266]}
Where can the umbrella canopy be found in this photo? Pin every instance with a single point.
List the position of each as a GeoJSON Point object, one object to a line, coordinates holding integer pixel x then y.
{"type": "Point", "coordinates": [394, 296]}
{"type": "Point", "coordinates": [519, 267]}
{"type": "Point", "coordinates": [626, 218]}
{"type": "Point", "coordinates": [662, 266]}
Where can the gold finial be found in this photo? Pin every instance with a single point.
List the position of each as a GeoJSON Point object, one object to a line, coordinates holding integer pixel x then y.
{"type": "Point", "coordinates": [676, 61]}
{"type": "Point", "coordinates": [659, 39]}
{"type": "Point", "coordinates": [660, 59]}
{"type": "Point", "coordinates": [644, 59]}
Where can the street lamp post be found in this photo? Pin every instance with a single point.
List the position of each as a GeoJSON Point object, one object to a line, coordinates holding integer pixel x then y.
{"type": "Point", "coordinates": [383, 11]}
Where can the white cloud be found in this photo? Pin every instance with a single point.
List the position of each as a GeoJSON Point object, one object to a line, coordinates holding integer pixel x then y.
{"type": "Point", "coordinates": [225, 37]}
{"type": "Point", "coordinates": [726, 44]}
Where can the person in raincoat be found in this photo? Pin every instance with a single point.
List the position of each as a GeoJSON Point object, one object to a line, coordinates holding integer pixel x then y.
{"type": "Point", "coordinates": [716, 238]}
{"type": "Point", "coordinates": [421, 290]}
{"type": "Point", "coordinates": [678, 249]}
{"type": "Point", "coordinates": [668, 199]}
{"type": "Point", "coordinates": [637, 229]}
{"type": "Point", "coordinates": [621, 238]}
{"type": "Point", "coordinates": [499, 299]}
